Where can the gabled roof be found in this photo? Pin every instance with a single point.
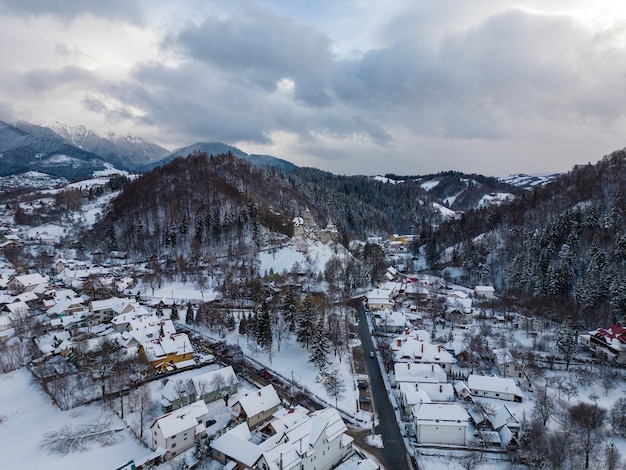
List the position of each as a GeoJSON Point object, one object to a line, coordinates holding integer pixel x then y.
{"type": "Point", "coordinates": [206, 382]}
{"type": "Point", "coordinates": [493, 384]}
{"type": "Point", "coordinates": [181, 419]}
{"type": "Point", "coordinates": [614, 335]}
{"type": "Point", "coordinates": [262, 400]}
{"type": "Point", "coordinates": [30, 280]}
{"type": "Point", "coordinates": [236, 443]}
{"type": "Point", "coordinates": [441, 413]}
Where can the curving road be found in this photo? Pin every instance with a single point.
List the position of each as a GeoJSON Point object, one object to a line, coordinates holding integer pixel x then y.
{"type": "Point", "coordinates": [394, 450]}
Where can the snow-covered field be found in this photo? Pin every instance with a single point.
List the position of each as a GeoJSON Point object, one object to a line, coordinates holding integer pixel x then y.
{"type": "Point", "coordinates": [26, 414]}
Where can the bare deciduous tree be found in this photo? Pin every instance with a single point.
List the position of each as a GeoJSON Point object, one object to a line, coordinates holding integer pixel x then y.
{"type": "Point", "coordinates": [72, 438]}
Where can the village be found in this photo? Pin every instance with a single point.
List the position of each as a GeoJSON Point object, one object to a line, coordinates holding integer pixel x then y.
{"type": "Point", "coordinates": [464, 375]}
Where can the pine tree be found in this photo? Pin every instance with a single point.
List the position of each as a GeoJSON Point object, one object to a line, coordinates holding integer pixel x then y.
{"type": "Point", "coordinates": [159, 310]}
{"type": "Point", "coordinates": [243, 325]}
{"type": "Point", "coordinates": [264, 327]}
{"type": "Point", "coordinates": [174, 312]}
{"type": "Point", "coordinates": [189, 317]}
{"type": "Point", "coordinates": [306, 322]}
{"type": "Point", "coordinates": [320, 346]}
{"type": "Point", "coordinates": [290, 307]}
{"type": "Point", "coordinates": [566, 343]}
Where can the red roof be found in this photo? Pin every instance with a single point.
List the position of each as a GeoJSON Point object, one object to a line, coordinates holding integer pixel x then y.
{"type": "Point", "coordinates": [613, 332]}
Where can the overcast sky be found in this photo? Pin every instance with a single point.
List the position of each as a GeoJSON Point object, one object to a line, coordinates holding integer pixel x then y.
{"type": "Point", "coordinates": [350, 86]}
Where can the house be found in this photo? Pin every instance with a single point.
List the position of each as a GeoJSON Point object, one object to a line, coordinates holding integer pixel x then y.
{"type": "Point", "coordinates": [103, 311]}
{"type": "Point", "coordinates": [486, 292]}
{"type": "Point", "coordinates": [411, 349]}
{"type": "Point", "coordinates": [256, 408]}
{"type": "Point", "coordinates": [407, 372]}
{"type": "Point", "coordinates": [221, 383]}
{"type": "Point", "coordinates": [210, 386]}
{"type": "Point", "coordinates": [390, 322]}
{"type": "Point", "coordinates": [438, 392]}
{"type": "Point", "coordinates": [293, 439]}
{"type": "Point", "coordinates": [609, 343]}
{"type": "Point", "coordinates": [176, 432]}
{"type": "Point", "coordinates": [168, 353]}
{"type": "Point", "coordinates": [411, 395]}
{"type": "Point", "coordinates": [462, 391]}
{"type": "Point", "coordinates": [494, 387]}
{"type": "Point", "coordinates": [6, 327]}
{"type": "Point", "coordinates": [506, 363]}
{"type": "Point", "coordinates": [440, 423]}
{"type": "Point", "coordinates": [380, 299]}
{"type": "Point", "coordinates": [26, 282]}
{"type": "Point", "coordinates": [505, 417]}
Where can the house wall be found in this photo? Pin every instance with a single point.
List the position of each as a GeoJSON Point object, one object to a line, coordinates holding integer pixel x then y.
{"type": "Point", "coordinates": [175, 444]}
{"type": "Point", "coordinates": [437, 433]}
{"type": "Point", "coordinates": [498, 395]}
{"type": "Point", "coordinates": [255, 420]}
{"type": "Point", "coordinates": [326, 456]}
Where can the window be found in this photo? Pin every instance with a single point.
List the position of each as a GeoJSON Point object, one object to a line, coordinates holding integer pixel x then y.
{"type": "Point", "coordinates": [173, 445]}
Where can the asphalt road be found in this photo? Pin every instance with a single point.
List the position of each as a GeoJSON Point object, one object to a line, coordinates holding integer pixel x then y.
{"type": "Point", "coordinates": [394, 450]}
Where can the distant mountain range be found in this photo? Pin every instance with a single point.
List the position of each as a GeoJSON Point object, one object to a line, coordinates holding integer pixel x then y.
{"type": "Point", "coordinates": [217, 148]}
{"type": "Point", "coordinates": [75, 152]}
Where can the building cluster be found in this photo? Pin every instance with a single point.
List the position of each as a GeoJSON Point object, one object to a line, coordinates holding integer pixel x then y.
{"type": "Point", "coordinates": [58, 317]}
{"type": "Point", "coordinates": [262, 435]}
{"type": "Point", "coordinates": [440, 408]}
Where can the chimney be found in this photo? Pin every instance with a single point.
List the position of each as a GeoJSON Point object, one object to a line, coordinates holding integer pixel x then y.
{"type": "Point", "coordinates": [439, 348]}
{"type": "Point", "coordinates": [432, 367]}
{"type": "Point", "coordinates": [440, 388]}
{"type": "Point", "coordinates": [408, 365]}
{"type": "Point", "coordinates": [422, 347]}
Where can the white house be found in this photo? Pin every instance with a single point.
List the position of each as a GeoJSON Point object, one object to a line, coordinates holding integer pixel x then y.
{"type": "Point", "coordinates": [257, 407]}
{"type": "Point", "coordinates": [410, 349]}
{"type": "Point", "coordinates": [440, 423]}
{"type": "Point", "coordinates": [293, 439]}
{"type": "Point", "coordinates": [494, 387]}
{"type": "Point", "coordinates": [486, 292]}
{"type": "Point", "coordinates": [380, 299]}
{"type": "Point", "coordinates": [407, 372]}
{"type": "Point", "coordinates": [506, 363]}
{"type": "Point", "coordinates": [176, 432]}
{"type": "Point", "coordinates": [391, 321]}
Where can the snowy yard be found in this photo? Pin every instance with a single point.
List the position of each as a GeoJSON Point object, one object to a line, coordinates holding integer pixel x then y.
{"type": "Point", "coordinates": [26, 414]}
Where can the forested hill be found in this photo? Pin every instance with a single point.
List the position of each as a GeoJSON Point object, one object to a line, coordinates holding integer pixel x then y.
{"type": "Point", "coordinates": [198, 206]}
{"type": "Point", "coordinates": [406, 206]}
{"type": "Point", "coordinates": [563, 244]}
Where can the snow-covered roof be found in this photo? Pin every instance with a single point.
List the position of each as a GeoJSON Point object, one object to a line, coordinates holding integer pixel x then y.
{"type": "Point", "coordinates": [614, 335]}
{"type": "Point", "coordinates": [30, 280]}
{"type": "Point", "coordinates": [441, 413]}
{"type": "Point", "coordinates": [237, 443]}
{"type": "Point", "coordinates": [493, 384]}
{"type": "Point", "coordinates": [262, 400]}
{"type": "Point", "coordinates": [181, 419]}
{"type": "Point", "coordinates": [206, 382]}
{"type": "Point", "coordinates": [159, 348]}
{"type": "Point", "coordinates": [412, 394]}
{"type": "Point", "coordinates": [423, 373]}
{"type": "Point", "coordinates": [438, 391]}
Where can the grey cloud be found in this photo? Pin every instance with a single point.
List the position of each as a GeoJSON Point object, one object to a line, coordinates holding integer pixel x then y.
{"type": "Point", "coordinates": [515, 65]}
{"type": "Point", "coordinates": [263, 48]}
{"type": "Point", "coordinates": [125, 10]}
{"type": "Point", "coordinates": [70, 75]}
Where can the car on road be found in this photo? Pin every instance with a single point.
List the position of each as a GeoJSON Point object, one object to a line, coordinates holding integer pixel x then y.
{"type": "Point", "coordinates": [372, 354]}
{"type": "Point", "coordinates": [266, 374]}
{"type": "Point", "coordinates": [362, 384]}
{"type": "Point", "coordinates": [365, 400]}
